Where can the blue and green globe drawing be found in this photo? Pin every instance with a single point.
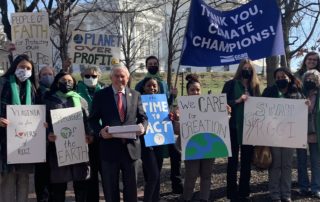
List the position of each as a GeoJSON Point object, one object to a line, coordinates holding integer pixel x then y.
{"type": "Point", "coordinates": [205, 146]}
{"type": "Point", "coordinates": [66, 132]}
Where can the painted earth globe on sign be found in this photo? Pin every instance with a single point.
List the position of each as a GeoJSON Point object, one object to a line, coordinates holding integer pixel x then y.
{"type": "Point", "coordinates": [204, 146]}
{"type": "Point", "coordinates": [66, 132]}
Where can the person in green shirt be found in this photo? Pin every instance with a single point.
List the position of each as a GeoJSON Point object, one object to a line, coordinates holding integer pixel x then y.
{"type": "Point", "coordinates": [87, 87]}
{"type": "Point", "coordinates": [245, 83]}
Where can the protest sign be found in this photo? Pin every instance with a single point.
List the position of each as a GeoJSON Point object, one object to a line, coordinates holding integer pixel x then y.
{"type": "Point", "coordinates": [70, 143]}
{"type": "Point", "coordinates": [160, 130]}
{"type": "Point", "coordinates": [31, 35]}
{"type": "Point", "coordinates": [275, 122]}
{"type": "Point", "coordinates": [26, 134]}
{"type": "Point", "coordinates": [95, 48]}
{"type": "Point", "coordinates": [215, 38]}
{"type": "Point", "coordinates": [204, 127]}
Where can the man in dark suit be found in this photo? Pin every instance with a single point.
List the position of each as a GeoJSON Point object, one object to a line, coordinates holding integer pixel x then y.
{"type": "Point", "coordinates": [118, 105]}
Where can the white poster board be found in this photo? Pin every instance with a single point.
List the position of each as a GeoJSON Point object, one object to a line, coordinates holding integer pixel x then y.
{"type": "Point", "coordinates": [204, 127]}
{"type": "Point", "coordinates": [26, 134]}
{"type": "Point", "coordinates": [31, 34]}
{"type": "Point", "coordinates": [95, 48]}
{"type": "Point", "coordinates": [70, 143]}
{"type": "Point", "coordinates": [276, 122]}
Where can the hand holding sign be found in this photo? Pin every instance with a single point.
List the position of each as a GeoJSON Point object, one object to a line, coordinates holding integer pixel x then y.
{"type": "Point", "coordinates": [3, 122]}
{"type": "Point", "coordinates": [52, 137]}
{"type": "Point", "coordinates": [242, 98]}
{"type": "Point", "coordinates": [308, 102]}
{"type": "Point", "coordinates": [89, 139]}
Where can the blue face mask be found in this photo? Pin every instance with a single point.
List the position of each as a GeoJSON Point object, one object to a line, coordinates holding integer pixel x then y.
{"type": "Point", "coordinates": [47, 80]}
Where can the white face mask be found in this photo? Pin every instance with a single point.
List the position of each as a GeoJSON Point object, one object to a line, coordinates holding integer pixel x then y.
{"type": "Point", "coordinates": [91, 82]}
{"type": "Point", "coordinates": [23, 74]}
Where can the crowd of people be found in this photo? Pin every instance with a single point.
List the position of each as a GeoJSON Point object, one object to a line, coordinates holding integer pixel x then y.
{"type": "Point", "coordinates": [117, 105]}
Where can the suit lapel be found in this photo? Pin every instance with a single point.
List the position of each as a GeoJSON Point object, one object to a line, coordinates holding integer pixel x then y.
{"type": "Point", "coordinates": [113, 101]}
{"type": "Point", "coordinates": [128, 101]}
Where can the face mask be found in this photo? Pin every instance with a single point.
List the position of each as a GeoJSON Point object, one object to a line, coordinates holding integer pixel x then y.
{"type": "Point", "coordinates": [65, 87]}
{"type": "Point", "coordinates": [309, 85]}
{"type": "Point", "coordinates": [46, 80]}
{"type": "Point", "coordinates": [23, 74]}
{"type": "Point", "coordinates": [283, 83]}
{"type": "Point", "coordinates": [153, 69]}
{"type": "Point", "coordinates": [246, 74]}
{"type": "Point", "coordinates": [91, 82]}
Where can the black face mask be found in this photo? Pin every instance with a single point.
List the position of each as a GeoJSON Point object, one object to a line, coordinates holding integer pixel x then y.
{"type": "Point", "coordinates": [282, 83]}
{"type": "Point", "coordinates": [246, 74]}
{"type": "Point", "coordinates": [153, 69]}
{"type": "Point", "coordinates": [309, 85]}
{"type": "Point", "coordinates": [65, 87]}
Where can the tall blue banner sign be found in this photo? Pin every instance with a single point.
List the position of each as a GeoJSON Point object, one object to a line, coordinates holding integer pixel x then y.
{"type": "Point", "coordinates": [160, 130]}
{"type": "Point", "coordinates": [215, 38]}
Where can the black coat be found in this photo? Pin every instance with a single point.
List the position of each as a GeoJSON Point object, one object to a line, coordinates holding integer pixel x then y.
{"type": "Point", "coordinates": [273, 92]}
{"type": "Point", "coordinates": [6, 99]}
{"type": "Point", "coordinates": [104, 108]}
{"type": "Point", "coordinates": [228, 88]}
{"type": "Point", "coordinates": [75, 172]}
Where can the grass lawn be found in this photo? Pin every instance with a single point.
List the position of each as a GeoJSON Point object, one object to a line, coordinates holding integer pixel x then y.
{"type": "Point", "coordinates": [213, 81]}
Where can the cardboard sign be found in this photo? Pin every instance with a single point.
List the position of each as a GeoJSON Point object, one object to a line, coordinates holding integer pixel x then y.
{"type": "Point", "coordinates": [160, 129]}
{"type": "Point", "coordinates": [95, 48]}
{"type": "Point", "coordinates": [26, 134]}
{"type": "Point", "coordinates": [70, 143]}
{"type": "Point", "coordinates": [204, 127]}
{"type": "Point", "coordinates": [31, 35]}
{"type": "Point", "coordinates": [276, 122]}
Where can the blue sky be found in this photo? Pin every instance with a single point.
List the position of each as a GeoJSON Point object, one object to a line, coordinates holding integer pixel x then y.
{"type": "Point", "coordinates": [295, 62]}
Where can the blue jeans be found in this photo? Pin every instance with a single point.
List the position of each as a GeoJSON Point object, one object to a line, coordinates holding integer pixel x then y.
{"type": "Point", "coordinates": [303, 179]}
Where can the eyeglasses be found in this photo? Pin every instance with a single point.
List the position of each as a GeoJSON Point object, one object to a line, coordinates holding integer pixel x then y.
{"type": "Point", "coordinates": [87, 76]}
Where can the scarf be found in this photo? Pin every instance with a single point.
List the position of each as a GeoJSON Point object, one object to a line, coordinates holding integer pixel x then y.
{"type": "Point", "coordinates": [83, 91]}
{"type": "Point", "coordinates": [155, 76]}
{"type": "Point", "coordinates": [239, 110]}
{"type": "Point", "coordinates": [71, 94]}
{"type": "Point", "coordinates": [16, 92]}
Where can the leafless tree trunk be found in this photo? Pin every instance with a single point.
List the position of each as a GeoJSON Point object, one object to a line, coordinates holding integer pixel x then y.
{"type": "Point", "coordinates": [272, 64]}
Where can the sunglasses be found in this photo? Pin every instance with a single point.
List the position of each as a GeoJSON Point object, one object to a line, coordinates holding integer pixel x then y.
{"type": "Point", "coordinates": [87, 76]}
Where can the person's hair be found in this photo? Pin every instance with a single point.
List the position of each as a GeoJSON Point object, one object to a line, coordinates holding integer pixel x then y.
{"type": "Point", "coordinates": [192, 79]}
{"type": "Point", "coordinates": [13, 67]}
{"type": "Point", "coordinates": [46, 66]}
{"type": "Point", "coordinates": [152, 57]}
{"type": "Point", "coordinates": [294, 84]}
{"type": "Point", "coordinates": [54, 86]}
{"type": "Point", "coordinates": [303, 67]}
{"type": "Point", "coordinates": [145, 81]}
{"type": "Point", "coordinates": [314, 73]}
{"type": "Point", "coordinates": [93, 68]}
{"type": "Point", "coordinates": [254, 82]}
{"type": "Point", "coordinates": [117, 67]}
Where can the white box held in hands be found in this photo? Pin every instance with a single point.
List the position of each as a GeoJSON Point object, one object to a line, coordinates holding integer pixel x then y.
{"type": "Point", "coordinates": [128, 131]}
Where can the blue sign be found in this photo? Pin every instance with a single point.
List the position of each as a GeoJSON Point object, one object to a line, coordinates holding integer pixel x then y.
{"type": "Point", "coordinates": [160, 130]}
{"type": "Point", "coordinates": [215, 38]}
